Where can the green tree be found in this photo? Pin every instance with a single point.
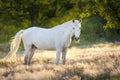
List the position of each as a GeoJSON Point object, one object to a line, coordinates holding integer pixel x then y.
{"type": "Point", "coordinates": [108, 9]}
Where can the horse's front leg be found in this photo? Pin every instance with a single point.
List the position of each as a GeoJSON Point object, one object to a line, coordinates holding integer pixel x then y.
{"type": "Point", "coordinates": [58, 51]}
{"type": "Point", "coordinates": [64, 51]}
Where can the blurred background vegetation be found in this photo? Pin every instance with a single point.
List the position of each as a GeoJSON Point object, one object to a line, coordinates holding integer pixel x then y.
{"type": "Point", "coordinates": [101, 18]}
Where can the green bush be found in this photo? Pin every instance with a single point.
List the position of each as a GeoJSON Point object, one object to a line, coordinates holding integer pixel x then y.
{"type": "Point", "coordinates": [112, 35]}
{"type": "Point", "coordinates": [92, 29]}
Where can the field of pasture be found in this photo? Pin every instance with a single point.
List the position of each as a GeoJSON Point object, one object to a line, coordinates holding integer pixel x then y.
{"type": "Point", "coordinates": [97, 62]}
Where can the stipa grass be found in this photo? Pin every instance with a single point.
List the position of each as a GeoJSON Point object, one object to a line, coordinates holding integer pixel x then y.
{"type": "Point", "coordinates": [95, 63]}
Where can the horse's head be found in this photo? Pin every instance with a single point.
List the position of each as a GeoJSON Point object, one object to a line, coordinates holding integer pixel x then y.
{"type": "Point", "coordinates": [76, 29]}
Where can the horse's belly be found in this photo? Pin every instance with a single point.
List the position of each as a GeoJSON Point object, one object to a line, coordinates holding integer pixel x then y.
{"type": "Point", "coordinates": [45, 46]}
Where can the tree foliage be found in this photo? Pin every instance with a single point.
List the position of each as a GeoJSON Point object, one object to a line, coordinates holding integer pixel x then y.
{"type": "Point", "coordinates": [109, 9]}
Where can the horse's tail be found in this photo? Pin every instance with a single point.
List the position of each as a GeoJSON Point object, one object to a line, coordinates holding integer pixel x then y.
{"type": "Point", "coordinates": [15, 43]}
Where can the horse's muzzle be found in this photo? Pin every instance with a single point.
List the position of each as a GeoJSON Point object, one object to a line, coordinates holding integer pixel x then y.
{"type": "Point", "coordinates": [76, 39]}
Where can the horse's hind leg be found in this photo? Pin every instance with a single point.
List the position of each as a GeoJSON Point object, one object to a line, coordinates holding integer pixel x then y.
{"type": "Point", "coordinates": [29, 52]}
{"type": "Point", "coordinates": [32, 53]}
{"type": "Point", "coordinates": [26, 59]}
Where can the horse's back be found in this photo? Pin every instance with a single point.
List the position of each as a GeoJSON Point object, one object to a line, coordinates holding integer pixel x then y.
{"type": "Point", "coordinates": [35, 31]}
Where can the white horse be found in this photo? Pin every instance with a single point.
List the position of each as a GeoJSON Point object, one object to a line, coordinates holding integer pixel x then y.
{"type": "Point", "coordinates": [57, 38]}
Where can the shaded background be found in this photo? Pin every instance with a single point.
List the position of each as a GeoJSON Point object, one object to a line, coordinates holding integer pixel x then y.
{"type": "Point", "coordinates": [101, 18]}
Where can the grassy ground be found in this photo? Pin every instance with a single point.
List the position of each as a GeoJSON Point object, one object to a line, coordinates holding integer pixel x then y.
{"type": "Point", "coordinates": [98, 62]}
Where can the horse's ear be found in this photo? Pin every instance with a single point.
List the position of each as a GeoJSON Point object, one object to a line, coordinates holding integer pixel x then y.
{"type": "Point", "coordinates": [73, 21]}
{"type": "Point", "coordinates": [80, 20]}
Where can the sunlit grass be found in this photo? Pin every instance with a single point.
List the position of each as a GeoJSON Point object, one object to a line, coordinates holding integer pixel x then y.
{"type": "Point", "coordinates": [93, 63]}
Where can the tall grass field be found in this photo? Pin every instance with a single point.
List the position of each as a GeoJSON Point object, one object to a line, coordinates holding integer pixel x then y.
{"type": "Point", "coordinates": [97, 62]}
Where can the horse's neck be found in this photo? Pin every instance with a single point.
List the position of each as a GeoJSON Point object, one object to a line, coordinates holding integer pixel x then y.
{"type": "Point", "coordinates": [64, 28]}
{"type": "Point", "coordinates": [68, 29]}
{"type": "Point", "coordinates": [67, 24]}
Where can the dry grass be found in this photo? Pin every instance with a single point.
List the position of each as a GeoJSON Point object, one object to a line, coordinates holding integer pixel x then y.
{"type": "Point", "coordinates": [95, 63]}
